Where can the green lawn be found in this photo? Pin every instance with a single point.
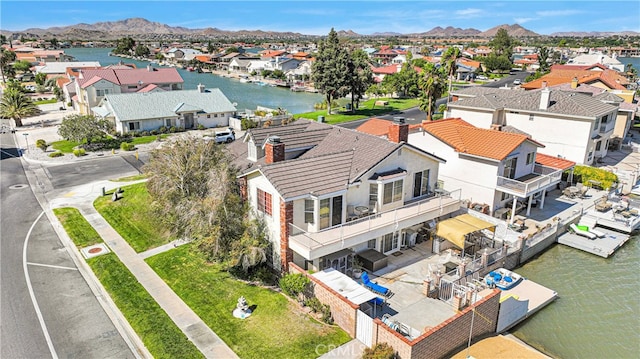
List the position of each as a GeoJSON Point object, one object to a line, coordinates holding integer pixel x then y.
{"type": "Point", "coordinates": [130, 178]}
{"type": "Point", "coordinates": [276, 329]}
{"type": "Point", "coordinates": [42, 102]}
{"type": "Point", "coordinates": [147, 139]}
{"type": "Point", "coordinates": [160, 335]}
{"type": "Point", "coordinates": [133, 218]}
{"type": "Point", "coordinates": [366, 109]}
{"type": "Point", "coordinates": [77, 227]}
{"type": "Point", "coordinates": [64, 146]}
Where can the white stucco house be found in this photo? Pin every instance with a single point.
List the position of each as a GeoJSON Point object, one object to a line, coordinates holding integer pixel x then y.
{"type": "Point", "coordinates": [151, 110]}
{"type": "Point", "coordinates": [570, 125]}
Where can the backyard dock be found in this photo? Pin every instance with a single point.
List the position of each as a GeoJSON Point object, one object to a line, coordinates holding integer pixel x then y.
{"type": "Point", "coordinates": [522, 301]}
{"type": "Point", "coordinates": [603, 247]}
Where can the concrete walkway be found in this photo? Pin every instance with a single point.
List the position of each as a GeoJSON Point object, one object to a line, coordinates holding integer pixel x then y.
{"type": "Point", "coordinates": [188, 321]}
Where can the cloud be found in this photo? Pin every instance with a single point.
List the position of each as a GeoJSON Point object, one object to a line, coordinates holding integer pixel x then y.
{"type": "Point", "coordinates": [522, 20]}
{"type": "Point", "coordinates": [549, 13]}
{"type": "Point", "coordinates": [469, 12]}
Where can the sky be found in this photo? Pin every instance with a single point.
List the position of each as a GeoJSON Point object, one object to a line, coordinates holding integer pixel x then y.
{"type": "Point", "coordinates": [318, 17]}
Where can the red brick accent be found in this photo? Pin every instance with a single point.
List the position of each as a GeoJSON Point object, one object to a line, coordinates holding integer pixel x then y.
{"type": "Point", "coordinates": [399, 132]}
{"type": "Point", "coordinates": [286, 217]}
{"type": "Point", "coordinates": [342, 310]}
{"type": "Point", "coordinates": [273, 152]}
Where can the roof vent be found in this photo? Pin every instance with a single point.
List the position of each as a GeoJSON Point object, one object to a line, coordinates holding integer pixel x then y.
{"type": "Point", "coordinates": [274, 139]}
{"type": "Point", "coordinates": [398, 119]}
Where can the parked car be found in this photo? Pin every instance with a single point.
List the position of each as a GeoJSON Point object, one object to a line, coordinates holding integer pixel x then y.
{"type": "Point", "coordinates": [30, 88]}
{"type": "Point", "coordinates": [225, 136]}
{"type": "Point", "coordinates": [517, 82]}
{"type": "Point", "coordinates": [482, 77]}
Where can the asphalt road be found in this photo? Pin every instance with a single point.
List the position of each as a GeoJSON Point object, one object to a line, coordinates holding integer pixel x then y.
{"type": "Point", "coordinates": [48, 310]}
{"type": "Point", "coordinates": [508, 80]}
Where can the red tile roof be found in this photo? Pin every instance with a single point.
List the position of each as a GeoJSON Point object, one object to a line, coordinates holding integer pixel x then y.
{"type": "Point", "coordinates": [565, 74]}
{"type": "Point", "coordinates": [463, 137]}
{"type": "Point", "coordinates": [554, 162]}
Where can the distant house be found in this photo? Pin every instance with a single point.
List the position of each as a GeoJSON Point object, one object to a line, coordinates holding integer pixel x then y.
{"type": "Point", "coordinates": [52, 69]}
{"type": "Point", "coordinates": [595, 75]}
{"type": "Point", "coordinates": [151, 110]}
{"type": "Point", "coordinates": [93, 84]}
{"type": "Point", "coordinates": [181, 53]}
{"type": "Point", "coordinates": [597, 58]}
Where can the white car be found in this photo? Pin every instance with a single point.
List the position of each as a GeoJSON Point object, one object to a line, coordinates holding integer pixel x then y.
{"type": "Point", "coordinates": [517, 82]}
{"type": "Point", "coordinates": [30, 88]}
{"type": "Point", "coordinates": [226, 136]}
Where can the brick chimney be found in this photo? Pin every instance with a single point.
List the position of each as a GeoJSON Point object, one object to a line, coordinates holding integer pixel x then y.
{"type": "Point", "coordinates": [274, 150]}
{"type": "Point", "coordinates": [399, 130]}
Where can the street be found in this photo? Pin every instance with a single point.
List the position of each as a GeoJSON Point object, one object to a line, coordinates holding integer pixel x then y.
{"type": "Point", "coordinates": [48, 309]}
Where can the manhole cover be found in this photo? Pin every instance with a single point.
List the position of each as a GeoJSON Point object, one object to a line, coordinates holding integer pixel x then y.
{"type": "Point", "coordinates": [95, 250]}
{"type": "Point", "coordinates": [19, 186]}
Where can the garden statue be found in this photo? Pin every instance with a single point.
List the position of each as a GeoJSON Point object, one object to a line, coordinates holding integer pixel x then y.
{"type": "Point", "coordinates": [242, 309]}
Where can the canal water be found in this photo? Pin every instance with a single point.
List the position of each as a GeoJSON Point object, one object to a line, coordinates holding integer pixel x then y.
{"type": "Point", "coordinates": [598, 312]}
{"type": "Point", "coordinates": [246, 95]}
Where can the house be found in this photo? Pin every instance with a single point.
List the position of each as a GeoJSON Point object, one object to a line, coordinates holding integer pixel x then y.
{"type": "Point", "coordinates": [53, 69]}
{"type": "Point", "coordinates": [571, 125]}
{"type": "Point", "coordinates": [594, 75]}
{"type": "Point", "coordinates": [327, 192]}
{"type": "Point", "coordinates": [93, 84]}
{"type": "Point", "coordinates": [597, 58]}
{"type": "Point", "coordinates": [146, 111]}
{"type": "Point", "coordinates": [494, 169]}
{"type": "Point", "coordinates": [181, 53]}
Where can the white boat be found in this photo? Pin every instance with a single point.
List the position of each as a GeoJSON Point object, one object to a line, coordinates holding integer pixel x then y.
{"type": "Point", "coordinates": [502, 278]}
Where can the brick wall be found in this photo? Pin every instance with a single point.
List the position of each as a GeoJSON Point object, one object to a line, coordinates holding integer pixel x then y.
{"type": "Point", "coordinates": [286, 217]}
{"type": "Point", "coordinates": [273, 152]}
{"type": "Point", "coordinates": [398, 132]}
{"type": "Point", "coordinates": [342, 310]}
{"type": "Point", "coordinates": [449, 336]}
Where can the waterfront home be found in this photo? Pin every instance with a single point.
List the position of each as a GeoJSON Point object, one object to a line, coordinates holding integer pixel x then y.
{"type": "Point", "coordinates": [595, 75]}
{"type": "Point", "coordinates": [326, 192]}
{"type": "Point", "coordinates": [93, 84]}
{"type": "Point", "coordinates": [178, 54]}
{"type": "Point", "coordinates": [597, 58]}
{"type": "Point", "coordinates": [53, 69]}
{"type": "Point", "coordinates": [571, 125]}
{"type": "Point", "coordinates": [146, 111]}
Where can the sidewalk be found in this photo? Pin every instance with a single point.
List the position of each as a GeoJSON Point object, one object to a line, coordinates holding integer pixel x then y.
{"type": "Point", "coordinates": [191, 325]}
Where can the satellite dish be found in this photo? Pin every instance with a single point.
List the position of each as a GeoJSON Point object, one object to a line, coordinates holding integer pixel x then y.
{"type": "Point", "coordinates": [235, 104]}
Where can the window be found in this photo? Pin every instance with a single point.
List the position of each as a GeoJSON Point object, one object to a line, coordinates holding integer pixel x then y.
{"type": "Point", "coordinates": [509, 170]}
{"type": "Point", "coordinates": [531, 117]}
{"type": "Point", "coordinates": [134, 126]}
{"type": "Point", "coordinates": [392, 192]}
{"type": "Point", "coordinates": [308, 211]}
{"type": "Point", "coordinates": [373, 195]}
{"type": "Point", "coordinates": [371, 244]}
{"type": "Point", "coordinates": [167, 122]}
{"type": "Point", "coordinates": [208, 116]}
{"type": "Point", "coordinates": [101, 93]}
{"type": "Point", "coordinates": [330, 212]}
{"type": "Point", "coordinates": [389, 242]}
{"type": "Point", "coordinates": [531, 156]}
{"type": "Point", "coordinates": [421, 183]}
{"type": "Point", "coordinates": [598, 145]}
{"type": "Point", "coordinates": [215, 115]}
{"type": "Point", "coordinates": [505, 196]}
{"type": "Point", "coordinates": [264, 202]}
{"type": "Point", "coordinates": [132, 87]}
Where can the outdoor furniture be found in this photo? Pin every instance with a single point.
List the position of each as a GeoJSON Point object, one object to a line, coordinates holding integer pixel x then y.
{"type": "Point", "coordinates": [351, 213]}
{"type": "Point", "coordinates": [374, 287]}
{"type": "Point", "coordinates": [581, 232]}
{"type": "Point", "coordinates": [362, 210]}
{"type": "Point", "coordinates": [372, 260]}
{"type": "Point", "coordinates": [602, 205]}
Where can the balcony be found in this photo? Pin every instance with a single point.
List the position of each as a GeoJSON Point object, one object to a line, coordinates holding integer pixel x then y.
{"type": "Point", "coordinates": [541, 178]}
{"type": "Point", "coordinates": [318, 244]}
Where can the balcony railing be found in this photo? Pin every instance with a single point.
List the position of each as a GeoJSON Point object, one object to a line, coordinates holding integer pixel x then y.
{"type": "Point", "coordinates": [541, 178]}
{"type": "Point", "coordinates": [309, 244]}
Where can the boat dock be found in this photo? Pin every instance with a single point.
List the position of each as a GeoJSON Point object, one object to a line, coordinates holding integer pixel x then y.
{"type": "Point", "coordinates": [522, 301]}
{"type": "Point", "coordinates": [601, 246]}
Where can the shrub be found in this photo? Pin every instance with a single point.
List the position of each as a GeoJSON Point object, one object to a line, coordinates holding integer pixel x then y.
{"type": "Point", "coordinates": [79, 152]}
{"type": "Point", "coordinates": [247, 123]}
{"type": "Point", "coordinates": [126, 146]}
{"type": "Point", "coordinates": [585, 173]}
{"type": "Point", "coordinates": [154, 132]}
{"type": "Point", "coordinates": [294, 285]}
{"type": "Point", "coordinates": [163, 129]}
{"type": "Point", "coordinates": [380, 351]}
{"type": "Point", "coordinates": [42, 144]}
{"type": "Point", "coordinates": [56, 154]}
{"type": "Point", "coordinates": [145, 133]}
{"type": "Point", "coordinates": [314, 304]}
{"type": "Point", "coordinates": [200, 127]}
{"type": "Point", "coordinates": [326, 314]}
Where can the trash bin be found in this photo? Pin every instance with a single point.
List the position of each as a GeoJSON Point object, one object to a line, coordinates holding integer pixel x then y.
{"type": "Point", "coordinates": [348, 107]}
{"type": "Point", "coordinates": [320, 118]}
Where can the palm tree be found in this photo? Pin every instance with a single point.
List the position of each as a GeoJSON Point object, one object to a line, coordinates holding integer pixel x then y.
{"type": "Point", "coordinates": [6, 57]}
{"type": "Point", "coordinates": [448, 61]}
{"type": "Point", "coordinates": [16, 105]}
{"type": "Point", "coordinates": [432, 86]}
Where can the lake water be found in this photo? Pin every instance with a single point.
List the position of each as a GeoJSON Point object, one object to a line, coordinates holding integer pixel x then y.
{"type": "Point", "coordinates": [246, 95]}
{"type": "Point", "coordinates": [598, 312]}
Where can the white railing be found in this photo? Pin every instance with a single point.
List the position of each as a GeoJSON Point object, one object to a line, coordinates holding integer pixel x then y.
{"type": "Point", "coordinates": [545, 177]}
{"type": "Point", "coordinates": [433, 205]}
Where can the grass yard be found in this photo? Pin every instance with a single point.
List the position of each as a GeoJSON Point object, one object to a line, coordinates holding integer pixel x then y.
{"type": "Point", "coordinates": [276, 329]}
{"type": "Point", "coordinates": [160, 335]}
{"type": "Point", "coordinates": [129, 178]}
{"type": "Point", "coordinates": [143, 140]}
{"type": "Point", "coordinates": [43, 102]}
{"type": "Point", "coordinates": [77, 227]}
{"type": "Point", "coordinates": [133, 218]}
{"type": "Point", "coordinates": [64, 146]}
{"type": "Point", "coordinates": [366, 109]}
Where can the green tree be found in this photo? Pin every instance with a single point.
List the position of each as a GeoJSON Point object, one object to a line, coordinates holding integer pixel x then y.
{"type": "Point", "coordinates": [502, 44]}
{"type": "Point", "coordinates": [193, 187]}
{"type": "Point", "coordinates": [159, 56]}
{"type": "Point", "coordinates": [22, 66]}
{"type": "Point", "coordinates": [497, 63]}
{"type": "Point", "coordinates": [124, 46]}
{"type": "Point", "coordinates": [432, 86]}
{"type": "Point", "coordinates": [330, 71]}
{"type": "Point", "coordinates": [543, 56]}
{"type": "Point", "coordinates": [361, 76]}
{"type": "Point", "coordinates": [16, 105]}
{"type": "Point", "coordinates": [142, 51]}
{"type": "Point", "coordinates": [230, 50]}
{"type": "Point", "coordinates": [406, 81]}
{"type": "Point", "coordinates": [210, 48]}
{"type": "Point", "coordinates": [83, 128]}
{"type": "Point", "coordinates": [40, 78]}
{"type": "Point", "coordinates": [54, 42]}
{"type": "Point", "coordinates": [631, 72]}
{"type": "Point", "coordinates": [448, 63]}
{"type": "Point", "coordinates": [6, 58]}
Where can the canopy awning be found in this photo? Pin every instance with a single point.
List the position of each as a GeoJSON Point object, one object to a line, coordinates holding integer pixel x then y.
{"type": "Point", "coordinates": [346, 286]}
{"type": "Point", "coordinates": [455, 229]}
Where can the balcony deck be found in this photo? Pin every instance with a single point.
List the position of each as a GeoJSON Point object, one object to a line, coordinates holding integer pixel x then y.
{"type": "Point", "coordinates": [543, 177]}
{"type": "Point", "coordinates": [314, 245]}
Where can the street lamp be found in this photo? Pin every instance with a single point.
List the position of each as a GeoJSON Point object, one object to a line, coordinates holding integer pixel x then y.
{"type": "Point", "coordinates": [26, 141]}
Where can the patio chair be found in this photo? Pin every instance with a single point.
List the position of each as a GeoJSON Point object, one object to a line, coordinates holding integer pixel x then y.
{"type": "Point", "coordinates": [351, 213]}
{"type": "Point", "coordinates": [582, 232]}
{"type": "Point", "coordinates": [602, 205]}
{"type": "Point", "coordinates": [374, 287]}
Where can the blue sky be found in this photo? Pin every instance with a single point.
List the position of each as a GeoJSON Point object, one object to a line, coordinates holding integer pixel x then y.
{"type": "Point", "coordinates": [317, 17]}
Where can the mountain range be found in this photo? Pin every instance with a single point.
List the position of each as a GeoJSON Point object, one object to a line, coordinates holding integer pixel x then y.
{"type": "Point", "coordinates": [145, 29]}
